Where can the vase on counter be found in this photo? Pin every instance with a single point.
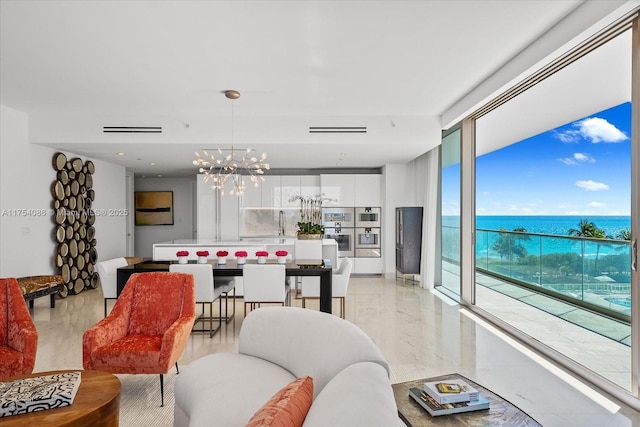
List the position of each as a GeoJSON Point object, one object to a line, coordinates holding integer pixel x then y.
{"type": "Point", "coordinates": [222, 257]}
{"type": "Point", "coordinates": [202, 257]}
{"type": "Point", "coordinates": [262, 256]}
{"type": "Point", "coordinates": [182, 256]}
{"type": "Point", "coordinates": [241, 260]}
{"type": "Point", "coordinates": [282, 256]}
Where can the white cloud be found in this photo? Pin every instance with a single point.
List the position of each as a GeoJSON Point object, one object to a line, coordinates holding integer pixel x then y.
{"type": "Point", "coordinates": [593, 129]}
{"type": "Point", "coordinates": [577, 159]}
{"type": "Point", "coordinates": [597, 130]}
{"type": "Point", "coordinates": [597, 205]}
{"type": "Point", "coordinates": [568, 137]}
{"type": "Point", "coordinates": [592, 185]}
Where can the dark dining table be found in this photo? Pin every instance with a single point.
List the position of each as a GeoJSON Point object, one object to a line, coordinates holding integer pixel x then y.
{"type": "Point", "coordinates": [318, 268]}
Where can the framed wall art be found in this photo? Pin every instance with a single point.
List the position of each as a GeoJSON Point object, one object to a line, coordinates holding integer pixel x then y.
{"type": "Point", "coordinates": [154, 208]}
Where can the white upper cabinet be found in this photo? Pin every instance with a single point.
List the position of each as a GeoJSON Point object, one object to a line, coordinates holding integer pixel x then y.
{"type": "Point", "coordinates": [271, 191]}
{"type": "Point", "coordinates": [309, 186]}
{"type": "Point", "coordinates": [252, 195]}
{"type": "Point", "coordinates": [368, 190]}
{"type": "Point", "coordinates": [290, 187]}
{"type": "Point", "coordinates": [341, 188]}
{"type": "Point", "coordinates": [277, 190]}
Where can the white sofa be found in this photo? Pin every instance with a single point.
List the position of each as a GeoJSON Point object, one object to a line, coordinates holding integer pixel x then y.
{"type": "Point", "coordinates": [276, 346]}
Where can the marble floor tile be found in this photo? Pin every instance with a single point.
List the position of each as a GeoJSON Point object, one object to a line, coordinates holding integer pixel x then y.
{"type": "Point", "coordinates": [422, 333]}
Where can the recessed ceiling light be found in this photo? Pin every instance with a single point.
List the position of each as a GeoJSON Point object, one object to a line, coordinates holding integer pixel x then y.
{"type": "Point", "coordinates": [152, 164]}
{"type": "Point", "coordinates": [159, 176]}
{"type": "Point", "coordinates": [120, 153]}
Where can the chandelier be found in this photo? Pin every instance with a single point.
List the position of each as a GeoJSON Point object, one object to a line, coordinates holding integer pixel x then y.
{"type": "Point", "coordinates": [227, 166]}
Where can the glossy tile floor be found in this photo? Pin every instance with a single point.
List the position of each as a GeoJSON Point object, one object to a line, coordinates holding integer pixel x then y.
{"type": "Point", "coordinates": [421, 333]}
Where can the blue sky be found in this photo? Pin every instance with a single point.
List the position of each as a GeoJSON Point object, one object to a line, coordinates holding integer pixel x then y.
{"type": "Point", "coordinates": [582, 168]}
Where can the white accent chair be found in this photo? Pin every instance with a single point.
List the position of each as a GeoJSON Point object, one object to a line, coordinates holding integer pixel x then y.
{"type": "Point", "coordinates": [108, 273]}
{"type": "Point", "coordinates": [206, 292]}
{"type": "Point", "coordinates": [264, 284]}
{"type": "Point", "coordinates": [339, 285]}
{"type": "Point", "coordinates": [309, 250]}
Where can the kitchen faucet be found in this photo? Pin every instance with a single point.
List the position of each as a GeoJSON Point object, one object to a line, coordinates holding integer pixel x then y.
{"type": "Point", "coordinates": [281, 223]}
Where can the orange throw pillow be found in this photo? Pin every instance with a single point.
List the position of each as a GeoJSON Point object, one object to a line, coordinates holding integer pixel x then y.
{"type": "Point", "coordinates": [288, 407]}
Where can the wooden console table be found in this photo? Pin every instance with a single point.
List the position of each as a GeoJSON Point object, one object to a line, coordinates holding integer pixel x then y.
{"type": "Point", "coordinates": [97, 404]}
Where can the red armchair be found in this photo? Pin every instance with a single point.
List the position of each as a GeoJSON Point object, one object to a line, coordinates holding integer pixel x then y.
{"type": "Point", "coordinates": [147, 329]}
{"type": "Point", "coordinates": [18, 335]}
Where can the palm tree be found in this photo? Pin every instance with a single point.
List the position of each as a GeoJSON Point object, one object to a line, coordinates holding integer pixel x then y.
{"type": "Point", "coordinates": [624, 234]}
{"type": "Point", "coordinates": [587, 228]}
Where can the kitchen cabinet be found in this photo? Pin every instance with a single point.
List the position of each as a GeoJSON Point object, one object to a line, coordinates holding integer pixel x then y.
{"type": "Point", "coordinates": [309, 186]}
{"type": "Point", "coordinates": [408, 239]}
{"type": "Point", "coordinates": [368, 189]}
{"type": "Point", "coordinates": [290, 187]}
{"type": "Point", "coordinates": [359, 190]}
{"type": "Point", "coordinates": [276, 191]}
{"type": "Point", "coordinates": [271, 191]}
{"type": "Point", "coordinates": [252, 196]}
{"type": "Point", "coordinates": [339, 187]}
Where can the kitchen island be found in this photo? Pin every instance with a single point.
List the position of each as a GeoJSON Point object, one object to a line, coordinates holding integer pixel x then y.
{"type": "Point", "coordinates": [166, 251]}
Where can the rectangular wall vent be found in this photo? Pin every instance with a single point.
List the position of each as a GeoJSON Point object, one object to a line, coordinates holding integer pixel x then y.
{"type": "Point", "coordinates": [132, 129]}
{"type": "Point", "coordinates": [337, 129]}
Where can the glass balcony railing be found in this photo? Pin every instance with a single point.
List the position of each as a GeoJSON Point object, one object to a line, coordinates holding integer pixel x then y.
{"type": "Point", "coordinates": [595, 273]}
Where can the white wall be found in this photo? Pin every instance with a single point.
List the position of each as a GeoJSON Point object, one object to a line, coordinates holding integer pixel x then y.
{"type": "Point", "coordinates": [183, 213]}
{"type": "Point", "coordinates": [27, 245]}
{"type": "Point", "coordinates": [399, 191]}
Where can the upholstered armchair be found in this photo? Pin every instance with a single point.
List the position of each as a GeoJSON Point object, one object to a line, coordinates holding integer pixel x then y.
{"type": "Point", "coordinates": [18, 335]}
{"type": "Point", "coordinates": [147, 329]}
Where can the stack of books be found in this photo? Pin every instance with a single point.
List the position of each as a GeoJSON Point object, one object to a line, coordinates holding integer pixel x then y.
{"type": "Point", "coordinates": [448, 397]}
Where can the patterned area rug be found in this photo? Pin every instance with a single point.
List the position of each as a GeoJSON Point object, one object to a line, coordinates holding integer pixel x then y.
{"type": "Point", "coordinates": [140, 400]}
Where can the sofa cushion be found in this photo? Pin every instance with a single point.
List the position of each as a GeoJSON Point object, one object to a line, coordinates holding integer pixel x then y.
{"type": "Point", "coordinates": [225, 387]}
{"type": "Point", "coordinates": [360, 395]}
{"type": "Point", "coordinates": [288, 407]}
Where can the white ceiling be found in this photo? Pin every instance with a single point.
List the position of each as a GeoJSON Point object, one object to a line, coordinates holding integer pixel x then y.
{"type": "Point", "coordinates": [392, 66]}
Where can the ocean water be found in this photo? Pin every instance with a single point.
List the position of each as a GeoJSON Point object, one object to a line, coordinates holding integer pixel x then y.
{"type": "Point", "coordinates": [556, 225]}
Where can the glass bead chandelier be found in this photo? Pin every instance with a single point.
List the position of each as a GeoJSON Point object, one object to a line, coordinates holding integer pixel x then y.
{"type": "Point", "coordinates": [228, 166]}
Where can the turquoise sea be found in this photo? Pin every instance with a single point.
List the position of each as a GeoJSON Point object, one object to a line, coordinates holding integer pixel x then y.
{"type": "Point", "coordinates": [558, 225]}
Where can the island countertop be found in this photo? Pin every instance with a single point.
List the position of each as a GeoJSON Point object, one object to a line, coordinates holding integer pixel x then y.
{"type": "Point", "coordinates": [166, 251]}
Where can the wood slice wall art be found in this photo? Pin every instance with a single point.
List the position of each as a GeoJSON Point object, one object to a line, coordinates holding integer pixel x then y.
{"type": "Point", "coordinates": [74, 223]}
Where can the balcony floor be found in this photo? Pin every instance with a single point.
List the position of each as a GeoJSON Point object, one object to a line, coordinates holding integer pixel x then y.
{"type": "Point", "coordinates": [597, 342]}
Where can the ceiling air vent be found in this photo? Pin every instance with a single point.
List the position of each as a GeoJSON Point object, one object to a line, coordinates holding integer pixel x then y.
{"type": "Point", "coordinates": [132, 129]}
{"type": "Point", "coordinates": [337, 129]}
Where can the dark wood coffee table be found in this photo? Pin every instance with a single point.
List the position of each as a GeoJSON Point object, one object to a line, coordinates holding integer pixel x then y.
{"type": "Point", "coordinates": [500, 413]}
{"type": "Point", "coordinates": [97, 404]}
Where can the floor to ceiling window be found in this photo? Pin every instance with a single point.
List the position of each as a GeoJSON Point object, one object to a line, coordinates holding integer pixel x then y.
{"type": "Point", "coordinates": [450, 211]}
{"type": "Point", "coordinates": [553, 219]}
{"type": "Point", "coordinates": [555, 192]}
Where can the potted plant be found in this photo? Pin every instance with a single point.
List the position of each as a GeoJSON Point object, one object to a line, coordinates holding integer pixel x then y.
{"type": "Point", "coordinates": [241, 257]}
{"type": "Point", "coordinates": [282, 256]}
{"type": "Point", "coordinates": [182, 256]}
{"type": "Point", "coordinates": [310, 225]}
{"type": "Point", "coordinates": [222, 257]}
{"type": "Point", "coordinates": [262, 256]}
{"type": "Point", "coordinates": [202, 256]}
